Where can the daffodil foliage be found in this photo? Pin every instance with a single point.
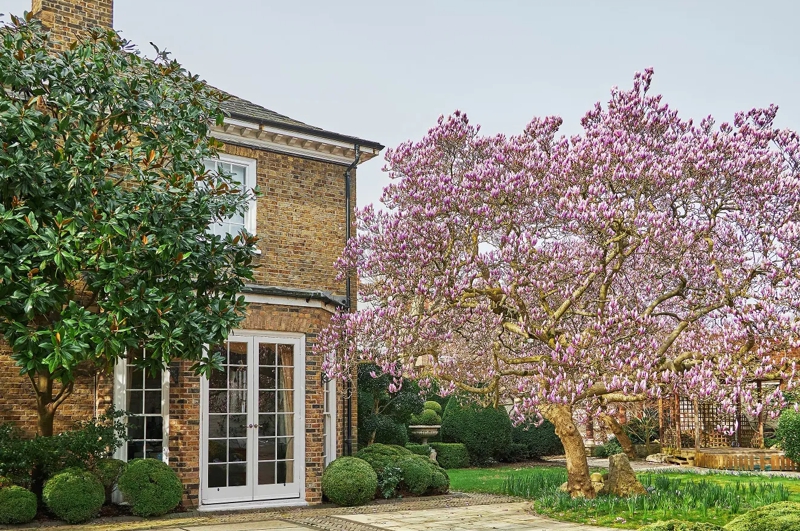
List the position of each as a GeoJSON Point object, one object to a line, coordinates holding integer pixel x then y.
{"type": "Point", "coordinates": [648, 254]}
{"type": "Point", "coordinates": [105, 205]}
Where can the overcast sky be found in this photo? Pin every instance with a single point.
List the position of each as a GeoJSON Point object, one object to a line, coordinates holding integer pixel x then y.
{"type": "Point", "coordinates": [385, 70]}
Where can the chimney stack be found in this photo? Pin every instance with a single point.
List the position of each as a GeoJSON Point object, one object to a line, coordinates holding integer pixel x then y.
{"type": "Point", "coordinates": [69, 20]}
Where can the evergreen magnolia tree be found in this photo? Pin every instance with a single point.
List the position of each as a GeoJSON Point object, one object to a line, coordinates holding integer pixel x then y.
{"type": "Point", "coordinates": [105, 205]}
{"type": "Point", "coordinates": [648, 254]}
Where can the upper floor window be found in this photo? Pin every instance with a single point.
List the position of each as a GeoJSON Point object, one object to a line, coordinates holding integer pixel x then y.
{"type": "Point", "coordinates": [243, 171]}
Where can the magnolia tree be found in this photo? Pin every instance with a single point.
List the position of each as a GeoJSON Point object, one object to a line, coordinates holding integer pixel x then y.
{"type": "Point", "coordinates": [647, 255]}
{"type": "Point", "coordinates": [105, 204]}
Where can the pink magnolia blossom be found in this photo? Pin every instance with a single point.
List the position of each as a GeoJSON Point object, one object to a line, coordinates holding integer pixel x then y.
{"type": "Point", "coordinates": [647, 255]}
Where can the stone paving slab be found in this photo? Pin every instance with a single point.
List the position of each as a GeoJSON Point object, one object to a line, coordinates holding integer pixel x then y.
{"type": "Point", "coordinates": [503, 517]}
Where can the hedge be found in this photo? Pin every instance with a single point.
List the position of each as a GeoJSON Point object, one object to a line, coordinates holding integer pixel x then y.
{"type": "Point", "coordinates": [451, 455]}
{"type": "Point", "coordinates": [788, 433]}
{"type": "Point", "coordinates": [151, 487]}
{"type": "Point", "coordinates": [74, 495]}
{"type": "Point", "coordinates": [419, 449]}
{"type": "Point", "coordinates": [387, 430]}
{"type": "Point", "coordinates": [484, 431]}
{"type": "Point", "coordinates": [418, 475]}
{"type": "Point", "coordinates": [782, 516]}
{"type": "Point", "coordinates": [17, 505]}
{"type": "Point", "coordinates": [539, 440]}
{"type": "Point", "coordinates": [349, 481]}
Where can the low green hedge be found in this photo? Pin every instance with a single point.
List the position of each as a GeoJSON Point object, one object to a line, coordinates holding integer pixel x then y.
{"type": "Point", "coordinates": [539, 441]}
{"type": "Point", "coordinates": [451, 455]}
{"type": "Point", "coordinates": [418, 475]}
{"type": "Point", "coordinates": [349, 481]}
{"type": "Point", "coordinates": [783, 516]}
{"type": "Point", "coordinates": [419, 449]}
{"type": "Point", "coordinates": [484, 431]}
{"type": "Point", "coordinates": [17, 505]}
{"type": "Point", "coordinates": [678, 525]}
{"type": "Point", "coordinates": [151, 487]}
{"type": "Point", "coordinates": [74, 495]}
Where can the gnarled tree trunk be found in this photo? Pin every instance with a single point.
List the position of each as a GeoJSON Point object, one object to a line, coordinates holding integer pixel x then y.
{"type": "Point", "coordinates": [619, 433]}
{"type": "Point", "coordinates": [579, 483]}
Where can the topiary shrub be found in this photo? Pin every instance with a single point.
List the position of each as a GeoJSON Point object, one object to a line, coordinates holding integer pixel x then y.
{"type": "Point", "coordinates": [539, 441]}
{"type": "Point", "coordinates": [74, 495]}
{"type": "Point", "coordinates": [151, 487]}
{"type": "Point", "coordinates": [387, 430]}
{"type": "Point", "coordinates": [108, 471]}
{"type": "Point", "coordinates": [419, 449]}
{"type": "Point", "coordinates": [349, 481]}
{"type": "Point", "coordinates": [678, 525]}
{"type": "Point", "coordinates": [417, 474]}
{"type": "Point", "coordinates": [436, 407]}
{"type": "Point", "coordinates": [382, 455]}
{"type": "Point", "coordinates": [428, 417]}
{"type": "Point", "coordinates": [17, 505]}
{"type": "Point", "coordinates": [484, 431]}
{"type": "Point", "coordinates": [788, 433]}
{"type": "Point", "coordinates": [440, 482]}
{"type": "Point", "coordinates": [783, 516]}
{"type": "Point", "coordinates": [451, 455]}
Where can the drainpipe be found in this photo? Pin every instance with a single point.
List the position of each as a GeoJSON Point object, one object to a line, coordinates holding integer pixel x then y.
{"type": "Point", "coordinates": [348, 427]}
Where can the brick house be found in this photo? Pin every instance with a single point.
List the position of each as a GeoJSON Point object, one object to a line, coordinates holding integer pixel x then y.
{"type": "Point", "coordinates": [261, 432]}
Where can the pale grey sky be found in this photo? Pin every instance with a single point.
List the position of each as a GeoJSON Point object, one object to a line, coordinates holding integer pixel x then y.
{"type": "Point", "coordinates": [386, 70]}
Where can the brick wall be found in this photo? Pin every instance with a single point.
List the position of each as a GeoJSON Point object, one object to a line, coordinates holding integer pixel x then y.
{"type": "Point", "coordinates": [69, 19]}
{"type": "Point", "coordinates": [300, 220]}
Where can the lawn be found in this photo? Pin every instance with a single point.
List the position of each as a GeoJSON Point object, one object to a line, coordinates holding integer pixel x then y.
{"type": "Point", "coordinates": [715, 498]}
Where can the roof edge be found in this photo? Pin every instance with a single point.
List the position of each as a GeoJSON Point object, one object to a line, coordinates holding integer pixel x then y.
{"type": "Point", "coordinates": [293, 293]}
{"type": "Point", "coordinates": [309, 131]}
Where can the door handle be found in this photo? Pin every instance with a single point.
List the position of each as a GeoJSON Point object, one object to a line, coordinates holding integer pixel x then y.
{"type": "Point", "coordinates": [253, 425]}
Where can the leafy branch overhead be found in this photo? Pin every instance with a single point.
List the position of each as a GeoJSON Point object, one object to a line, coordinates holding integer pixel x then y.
{"type": "Point", "coordinates": [105, 204]}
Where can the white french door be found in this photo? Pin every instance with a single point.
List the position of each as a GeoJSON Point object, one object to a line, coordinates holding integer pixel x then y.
{"type": "Point", "coordinates": [252, 428]}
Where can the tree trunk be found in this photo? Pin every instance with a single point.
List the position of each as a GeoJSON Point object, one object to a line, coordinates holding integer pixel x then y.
{"type": "Point", "coordinates": [47, 401]}
{"type": "Point", "coordinates": [47, 414]}
{"type": "Point", "coordinates": [579, 483]}
{"type": "Point", "coordinates": [619, 433]}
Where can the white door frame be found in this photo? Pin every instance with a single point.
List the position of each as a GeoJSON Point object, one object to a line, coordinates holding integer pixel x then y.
{"type": "Point", "coordinates": [250, 494]}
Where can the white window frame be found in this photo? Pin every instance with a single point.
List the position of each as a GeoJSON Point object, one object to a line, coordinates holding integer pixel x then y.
{"type": "Point", "coordinates": [251, 177]}
{"type": "Point", "coordinates": [120, 403]}
{"type": "Point", "coordinates": [329, 422]}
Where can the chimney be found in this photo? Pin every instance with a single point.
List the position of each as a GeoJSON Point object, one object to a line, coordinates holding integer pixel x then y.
{"type": "Point", "coordinates": [69, 20]}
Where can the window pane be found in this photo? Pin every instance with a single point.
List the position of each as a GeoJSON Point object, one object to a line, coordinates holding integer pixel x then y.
{"type": "Point", "coordinates": [136, 427]}
{"type": "Point", "coordinates": [217, 426]}
{"type": "Point", "coordinates": [237, 450]}
{"type": "Point", "coordinates": [237, 475]}
{"type": "Point", "coordinates": [217, 451]}
{"type": "Point", "coordinates": [266, 473]}
{"type": "Point", "coordinates": [152, 402]}
{"type": "Point", "coordinates": [135, 402]}
{"type": "Point", "coordinates": [154, 427]}
{"type": "Point", "coordinates": [285, 471]}
{"type": "Point", "coordinates": [217, 475]}
{"type": "Point", "coordinates": [218, 401]}
{"type": "Point", "coordinates": [135, 450]}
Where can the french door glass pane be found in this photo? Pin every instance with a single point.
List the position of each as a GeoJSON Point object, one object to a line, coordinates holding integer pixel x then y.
{"type": "Point", "coordinates": [276, 418]}
{"type": "Point", "coordinates": [227, 428]}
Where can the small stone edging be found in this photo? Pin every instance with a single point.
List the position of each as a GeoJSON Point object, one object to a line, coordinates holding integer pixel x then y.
{"type": "Point", "coordinates": [320, 517]}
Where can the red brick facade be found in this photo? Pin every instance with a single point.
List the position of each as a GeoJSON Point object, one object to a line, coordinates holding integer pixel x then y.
{"type": "Point", "coordinates": [301, 226]}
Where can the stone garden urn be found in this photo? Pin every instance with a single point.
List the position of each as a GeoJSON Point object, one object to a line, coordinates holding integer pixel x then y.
{"type": "Point", "coordinates": [424, 431]}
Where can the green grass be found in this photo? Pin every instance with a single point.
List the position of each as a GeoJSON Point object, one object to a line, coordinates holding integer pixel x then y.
{"type": "Point", "coordinates": [715, 498]}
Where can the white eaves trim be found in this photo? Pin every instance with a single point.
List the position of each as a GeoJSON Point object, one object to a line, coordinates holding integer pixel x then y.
{"type": "Point", "coordinates": [289, 142]}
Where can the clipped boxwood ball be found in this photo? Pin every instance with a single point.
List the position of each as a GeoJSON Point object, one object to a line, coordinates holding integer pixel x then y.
{"type": "Point", "coordinates": [151, 487]}
{"type": "Point", "coordinates": [417, 474]}
{"type": "Point", "coordinates": [782, 516]}
{"type": "Point", "coordinates": [74, 495]}
{"type": "Point", "coordinates": [349, 481]}
{"type": "Point", "coordinates": [17, 505]}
